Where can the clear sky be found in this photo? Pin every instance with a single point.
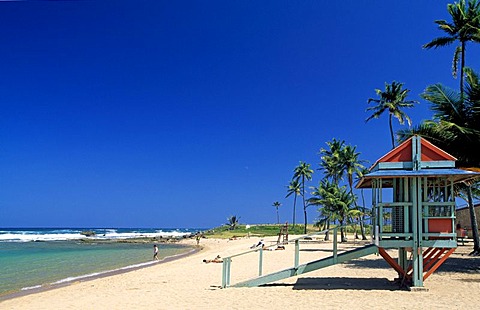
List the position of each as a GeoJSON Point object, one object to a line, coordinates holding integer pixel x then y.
{"type": "Point", "coordinates": [150, 113]}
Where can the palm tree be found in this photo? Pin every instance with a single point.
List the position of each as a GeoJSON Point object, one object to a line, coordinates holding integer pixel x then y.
{"type": "Point", "coordinates": [332, 170]}
{"type": "Point", "coordinates": [330, 160]}
{"type": "Point", "coordinates": [277, 204]}
{"type": "Point", "coordinates": [336, 201]}
{"type": "Point", "coordinates": [352, 165]}
{"type": "Point", "coordinates": [465, 27]}
{"type": "Point", "coordinates": [232, 222]}
{"type": "Point", "coordinates": [363, 208]}
{"type": "Point", "coordinates": [455, 128]}
{"type": "Point", "coordinates": [340, 160]}
{"type": "Point", "coordinates": [303, 173]}
{"type": "Point", "coordinates": [393, 100]}
{"type": "Point", "coordinates": [293, 188]}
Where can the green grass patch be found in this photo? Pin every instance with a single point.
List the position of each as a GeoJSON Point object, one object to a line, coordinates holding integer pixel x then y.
{"type": "Point", "coordinates": [261, 230]}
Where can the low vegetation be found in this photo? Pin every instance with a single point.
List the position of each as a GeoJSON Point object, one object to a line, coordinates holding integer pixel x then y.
{"type": "Point", "coordinates": [261, 230]}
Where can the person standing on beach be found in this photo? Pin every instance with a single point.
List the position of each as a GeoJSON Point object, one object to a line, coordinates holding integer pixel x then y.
{"type": "Point", "coordinates": [155, 252]}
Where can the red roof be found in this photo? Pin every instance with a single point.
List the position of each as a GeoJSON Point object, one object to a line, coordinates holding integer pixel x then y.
{"type": "Point", "coordinates": [403, 153]}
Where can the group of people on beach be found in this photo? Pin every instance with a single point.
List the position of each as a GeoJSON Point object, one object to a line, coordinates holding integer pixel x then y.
{"type": "Point", "coordinates": [218, 259]}
{"type": "Point", "coordinates": [262, 245]}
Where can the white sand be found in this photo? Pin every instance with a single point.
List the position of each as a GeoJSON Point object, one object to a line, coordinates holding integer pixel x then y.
{"type": "Point", "coordinates": [189, 283]}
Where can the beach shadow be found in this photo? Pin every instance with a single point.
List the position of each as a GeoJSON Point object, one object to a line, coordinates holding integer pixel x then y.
{"type": "Point", "coordinates": [341, 283]}
{"type": "Point", "coordinates": [461, 264]}
{"type": "Point", "coordinates": [345, 283]}
{"type": "Point", "coordinates": [316, 250]}
{"type": "Point", "coordinates": [464, 264]}
{"type": "Point", "coordinates": [372, 263]}
{"type": "Point", "coordinates": [471, 280]}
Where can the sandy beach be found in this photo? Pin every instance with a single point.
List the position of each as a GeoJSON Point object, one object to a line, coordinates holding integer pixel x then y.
{"type": "Point", "coordinates": [190, 283]}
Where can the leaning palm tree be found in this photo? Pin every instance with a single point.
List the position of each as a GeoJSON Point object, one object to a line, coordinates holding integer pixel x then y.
{"type": "Point", "coordinates": [293, 188]}
{"type": "Point", "coordinates": [303, 173]}
{"type": "Point", "coordinates": [464, 27]}
{"type": "Point", "coordinates": [455, 128]}
{"type": "Point", "coordinates": [277, 204]}
{"type": "Point", "coordinates": [393, 100]}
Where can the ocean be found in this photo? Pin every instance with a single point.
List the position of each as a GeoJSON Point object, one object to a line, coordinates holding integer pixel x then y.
{"type": "Point", "coordinates": [32, 259]}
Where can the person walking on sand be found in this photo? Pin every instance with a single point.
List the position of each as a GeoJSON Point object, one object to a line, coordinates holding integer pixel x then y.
{"type": "Point", "coordinates": [155, 252]}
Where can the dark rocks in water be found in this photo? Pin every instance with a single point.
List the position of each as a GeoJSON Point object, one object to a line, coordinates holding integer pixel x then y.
{"type": "Point", "coordinates": [88, 233]}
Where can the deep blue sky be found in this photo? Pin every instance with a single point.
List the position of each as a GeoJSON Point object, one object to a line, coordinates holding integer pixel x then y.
{"type": "Point", "coordinates": [148, 113]}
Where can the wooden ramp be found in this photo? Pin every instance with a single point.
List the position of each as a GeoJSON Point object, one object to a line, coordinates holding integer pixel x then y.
{"type": "Point", "coordinates": [310, 266]}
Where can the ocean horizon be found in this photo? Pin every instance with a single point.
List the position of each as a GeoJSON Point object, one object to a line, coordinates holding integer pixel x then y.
{"type": "Point", "coordinates": [36, 258]}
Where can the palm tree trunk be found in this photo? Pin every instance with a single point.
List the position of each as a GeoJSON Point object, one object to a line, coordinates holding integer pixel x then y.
{"type": "Point", "coordinates": [304, 206]}
{"type": "Point", "coordinates": [327, 234]}
{"type": "Point", "coordinates": [391, 130]}
{"type": "Point", "coordinates": [278, 219]}
{"type": "Point", "coordinates": [305, 215]}
{"type": "Point", "coordinates": [294, 205]}
{"type": "Point", "coordinates": [362, 224]}
{"type": "Point", "coordinates": [342, 232]}
{"type": "Point", "coordinates": [362, 227]}
{"type": "Point", "coordinates": [473, 218]}
{"type": "Point", "coordinates": [462, 65]}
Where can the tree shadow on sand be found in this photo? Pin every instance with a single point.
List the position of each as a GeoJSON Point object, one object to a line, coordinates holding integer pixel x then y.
{"type": "Point", "coordinates": [341, 283]}
{"type": "Point", "coordinates": [316, 250]}
{"type": "Point", "coordinates": [455, 263]}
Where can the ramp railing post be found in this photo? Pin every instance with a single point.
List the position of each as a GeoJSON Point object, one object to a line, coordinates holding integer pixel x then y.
{"type": "Point", "coordinates": [297, 254]}
{"type": "Point", "coordinates": [226, 272]}
{"type": "Point", "coordinates": [260, 262]}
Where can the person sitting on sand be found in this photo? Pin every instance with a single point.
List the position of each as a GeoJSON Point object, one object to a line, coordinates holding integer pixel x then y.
{"type": "Point", "coordinates": [260, 244]}
{"type": "Point", "coordinates": [215, 260]}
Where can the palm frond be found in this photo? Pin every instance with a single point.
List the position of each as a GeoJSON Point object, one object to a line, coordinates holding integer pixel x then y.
{"type": "Point", "coordinates": [439, 42]}
{"type": "Point", "coordinates": [455, 61]}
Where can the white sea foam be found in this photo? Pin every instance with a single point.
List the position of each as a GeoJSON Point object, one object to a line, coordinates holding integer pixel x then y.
{"type": "Point", "coordinates": [69, 234]}
{"type": "Point", "coordinates": [24, 237]}
{"type": "Point", "coordinates": [31, 287]}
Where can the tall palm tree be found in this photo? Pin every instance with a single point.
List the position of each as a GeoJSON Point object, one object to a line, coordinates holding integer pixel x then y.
{"type": "Point", "coordinates": [330, 160]}
{"type": "Point", "coordinates": [464, 27]}
{"type": "Point", "coordinates": [303, 173]}
{"type": "Point", "coordinates": [352, 165]}
{"type": "Point", "coordinates": [365, 211]}
{"type": "Point", "coordinates": [293, 188]}
{"type": "Point", "coordinates": [393, 100]}
{"type": "Point", "coordinates": [277, 204]}
{"type": "Point", "coordinates": [455, 128]}
{"type": "Point", "coordinates": [331, 167]}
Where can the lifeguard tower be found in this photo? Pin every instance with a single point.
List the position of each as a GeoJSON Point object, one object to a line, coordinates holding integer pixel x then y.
{"type": "Point", "coordinates": [413, 211]}
{"type": "Point", "coordinates": [413, 206]}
